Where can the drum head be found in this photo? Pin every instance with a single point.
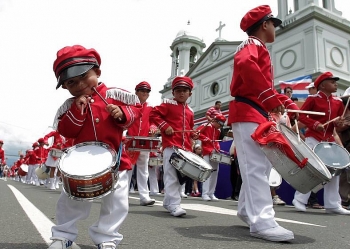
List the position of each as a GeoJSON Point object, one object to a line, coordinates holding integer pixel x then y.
{"type": "Point", "coordinates": [24, 167]}
{"type": "Point", "coordinates": [86, 159]}
{"type": "Point", "coordinates": [332, 155]}
{"type": "Point", "coordinates": [194, 158]}
{"type": "Point", "coordinates": [302, 150]}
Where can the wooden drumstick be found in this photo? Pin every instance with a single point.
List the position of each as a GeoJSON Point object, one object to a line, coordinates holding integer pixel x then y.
{"type": "Point", "coordinates": [330, 121]}
{"type": "Point", "coordinates": [185, 131]}
{"type": "Point", "coordinates": [297, 130]}
{"type": "Point", "coordinates": [305, 112]}
{"type": "Point", "coordinates": [103, 99]}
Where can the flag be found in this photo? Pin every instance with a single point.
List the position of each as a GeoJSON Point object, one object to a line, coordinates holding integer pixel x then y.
{"type": "Point", "coordinates": [298, 85]}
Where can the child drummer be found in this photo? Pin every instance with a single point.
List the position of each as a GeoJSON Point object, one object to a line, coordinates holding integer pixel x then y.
{"type": "Point", "coordinates": [316, 132]}
{"type": "Point", "coordinates": [209, 135]}
{"type": "Point", "coordinates": [86, 117]}
{"type": "Point", "coordinates": [174, 118]}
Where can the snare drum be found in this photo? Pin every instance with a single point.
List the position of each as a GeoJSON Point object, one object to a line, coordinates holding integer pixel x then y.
{"type": "Point", "coordinates": [303, 179]}
{"type": "Point", "coordinates": [42, 172]}
{"type": "Point", "coordinates": [87, 171]}
{"type": "Point", "coordinates": [335, 157]}
{"type": "Point", "coordinates": [23, 170]}
{"type": "Point", "coordinates": [220, 158]}
{"type": "Point", "coordinates": [191, 165]}
{"type": "Point", "coordinates": [139, 143]}
{"type": "Point", "coordinates": [55, 152]}
{"type": "Point", "coordinates": [155, 161]}
{"type": "Point", "coordinates": [275, 178]}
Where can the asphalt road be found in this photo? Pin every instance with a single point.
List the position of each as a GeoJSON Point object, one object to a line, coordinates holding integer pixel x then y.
{"type": "Point", "coordinates": [206, 225]}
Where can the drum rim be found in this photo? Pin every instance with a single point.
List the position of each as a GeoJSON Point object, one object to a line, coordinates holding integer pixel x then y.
{"type": "Point", "coordinates": [143, 138]}
{"type": "Point", "coordinates": [337, 145]}
{"type": "Point", "coordinates": [101, 144]}
{"type": "Point", "coordinates": [309, 166]}
{"type": "Point", "coordinates": [196, 156]}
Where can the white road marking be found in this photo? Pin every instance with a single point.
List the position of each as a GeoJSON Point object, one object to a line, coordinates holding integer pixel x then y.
{"type": "Point", "coordinates": [219, 210]}
{"type": "Point", "coordinates": [39, 220]}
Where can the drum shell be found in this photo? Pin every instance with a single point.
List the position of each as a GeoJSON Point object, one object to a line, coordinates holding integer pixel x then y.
{"type": "Point", "coordinates": [140, 143]}
{"type": "Point", "coordinates": [23, 170]}
{"type": "Point", "coordinates": [220, 158]}
{"type": "Point", "coordinates": [302, 179]}
{"type": "Point", "coordinates": [55, 152]}
{"type": "Point", "coordinates": [155, 161]}
{"type": "Point", "coordinates": [93, 186]}
{"type": "Point", "coordinates": [41, 172]}
{"type": "Point", "coordinates": [189, 168]}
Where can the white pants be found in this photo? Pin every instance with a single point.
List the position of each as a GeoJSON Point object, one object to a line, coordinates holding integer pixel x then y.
{"type": "Point", "coordinates": [208, 187]}
{"type": "Point", "coordinates": [31, 175]}
{"type": "Point", "coordinates": [255, 197]}
{"type": "Point", "coordinates": [172, 187]}
{"type": "Point", "coordinates": [331, 195]}
{"type": "Point", "coordinates": [114, 209]}
{"type": "Point", "coordinates": [153, 181]}
{"type": "Point", "coordinates": [141, 175]}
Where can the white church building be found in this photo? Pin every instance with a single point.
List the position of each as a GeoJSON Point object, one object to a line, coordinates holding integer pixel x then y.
{"type": "Point", "coordinates": [312, 39]}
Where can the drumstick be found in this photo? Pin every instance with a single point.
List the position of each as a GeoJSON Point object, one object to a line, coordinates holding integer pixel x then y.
{"type": "Point", "coordinates": [346, 107]}
{"type": "Point", "coordinates": [103, 99]}
{"type": "Point", "coordinates": [305, 112]}
{"type": "Point", "coordinates": [330, 121]}
{"type": "Point", "coordinates": [82, 109]}
{"type": "Point", "coordinates": [185, 131]}
{"type": "Point", "coordinates": [297, 130]}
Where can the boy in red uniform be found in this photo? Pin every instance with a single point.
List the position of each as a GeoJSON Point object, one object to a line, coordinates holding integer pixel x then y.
{"type": "Point", "coordinates": [2, 152]}
{"type": "Point", "coordinates": [316, 132]}
{"type": "Point", "coordinates": [141, 127]}
{"type": "Point", "coordinates": [174, 115]}
{"type": "Point", "coordinates": [86, 117]}
{"type": "Point", "coordinates": [253, 88]}
{"type": "Point", "coordinates": [209, 134]}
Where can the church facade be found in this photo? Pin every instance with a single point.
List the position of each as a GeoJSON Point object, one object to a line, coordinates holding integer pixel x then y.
{"type": "Point", "coordinates": [311, 40]}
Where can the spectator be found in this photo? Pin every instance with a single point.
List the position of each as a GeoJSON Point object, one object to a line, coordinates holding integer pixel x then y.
{"type": "Point", "coordinates": [213, 111]}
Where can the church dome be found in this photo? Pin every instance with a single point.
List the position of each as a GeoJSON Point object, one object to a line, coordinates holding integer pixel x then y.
{"type": "Point", "coordinates": [188, 32]}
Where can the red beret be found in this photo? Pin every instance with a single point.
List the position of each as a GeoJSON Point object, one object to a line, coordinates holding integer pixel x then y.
{"type": "Point", "coordinates": [35, 144]}
{"type": "Point", "coordinates": [74, 61]}
{"type": "Point", "coordinates": [41, 140]}
{"type": "Point", "coordinates": [324, 76]}
{"type": "Point", "coordinates": [182, 81]}
{"type": "Point", "coordinates": [143, 85]}
{"type": "Point", "coordinates": [221, 119]}
{"type": "Point", "coordinates": [257, 16]}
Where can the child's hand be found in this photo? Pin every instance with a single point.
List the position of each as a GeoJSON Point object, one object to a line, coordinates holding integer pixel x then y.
{"type": "Point", "coordinates": [169, 131]}
{"type": "Point", "coordinates": [81, 102]}
{"type": "Point", "coordinates": [320, 128]}
{"type": "Point", "coordinates": [115, 112]}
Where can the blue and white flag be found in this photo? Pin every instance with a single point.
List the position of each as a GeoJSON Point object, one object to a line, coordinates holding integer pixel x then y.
{"type": "Point", "coordinates": [298, 85]}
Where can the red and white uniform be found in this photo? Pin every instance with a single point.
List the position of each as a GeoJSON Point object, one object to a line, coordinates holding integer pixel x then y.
{"type": "Point", "coordinates": [333, 107]}
{"type": "Point", "coordinates": [212, 112]}
{"type": "Point", "coordinates": [253, 80]}
{"type": "Point", "coordinates": [141, 127]}
{"type": "Point", "coordinates": [180, 117]}
{"type": "Point", "coordinates": [208, 135]}
{"type": "Point", "coordinates": [96, 124]}
{"type": "Point", "coordinates": [58, 142]}
{"type": "Point", "coordinates": [2, 155]}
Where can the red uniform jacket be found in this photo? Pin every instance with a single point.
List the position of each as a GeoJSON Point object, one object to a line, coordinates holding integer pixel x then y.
{"type": "Point", "coordinates": [30, 158]}
{"type": "Point", "coordinates": [252, 79]}
{"type": "Point", "coordinates": [41, 155]}
{"type": "Point", "coordinates": [2, 155]}
{"type": "Point", "coordinates": [208, 135]}
{"type": "Point", "coordinates": [332, 106]}
{"type": "Point", "coordinates": [96, 124]}
{"type": "Point", "coordinates": [57, 139]}
{"type": "Point", "coordinates": [177, 115]}
{"type": "Point", "coordinates": [141, 126]}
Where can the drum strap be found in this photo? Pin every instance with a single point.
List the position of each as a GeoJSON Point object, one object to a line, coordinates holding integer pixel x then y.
{"type": "Point", "coordinates": [252, 104]}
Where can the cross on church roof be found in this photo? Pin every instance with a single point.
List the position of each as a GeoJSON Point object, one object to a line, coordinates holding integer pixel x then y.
{"type": "Point", "coordinates": [219, 29]}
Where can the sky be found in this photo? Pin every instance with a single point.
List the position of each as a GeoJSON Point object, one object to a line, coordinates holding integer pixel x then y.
{"type": "Point", "coordinates": [133, 38]}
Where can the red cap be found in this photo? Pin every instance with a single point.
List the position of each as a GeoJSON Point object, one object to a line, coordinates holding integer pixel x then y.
{"type": "Point", "coordinates": [182, 81]}
{"type": "Point", "coordinates": [74, 61]}
{"type": "Point", "coordinates": [221, 119]}
{"type": "Point", "coordinates": [257, 16]}
{"type": "Point", "coordinates": [41, 141]}
{"type": "Point", "coordinates": [35, 144]}
{"type": "Point", "coordinates": [143, 85]}
{"type": "Point", "coordinates": [324, 76]}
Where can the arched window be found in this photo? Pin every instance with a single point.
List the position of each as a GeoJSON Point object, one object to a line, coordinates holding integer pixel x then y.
{"type": "Point", "coordinates": [193, 56]}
